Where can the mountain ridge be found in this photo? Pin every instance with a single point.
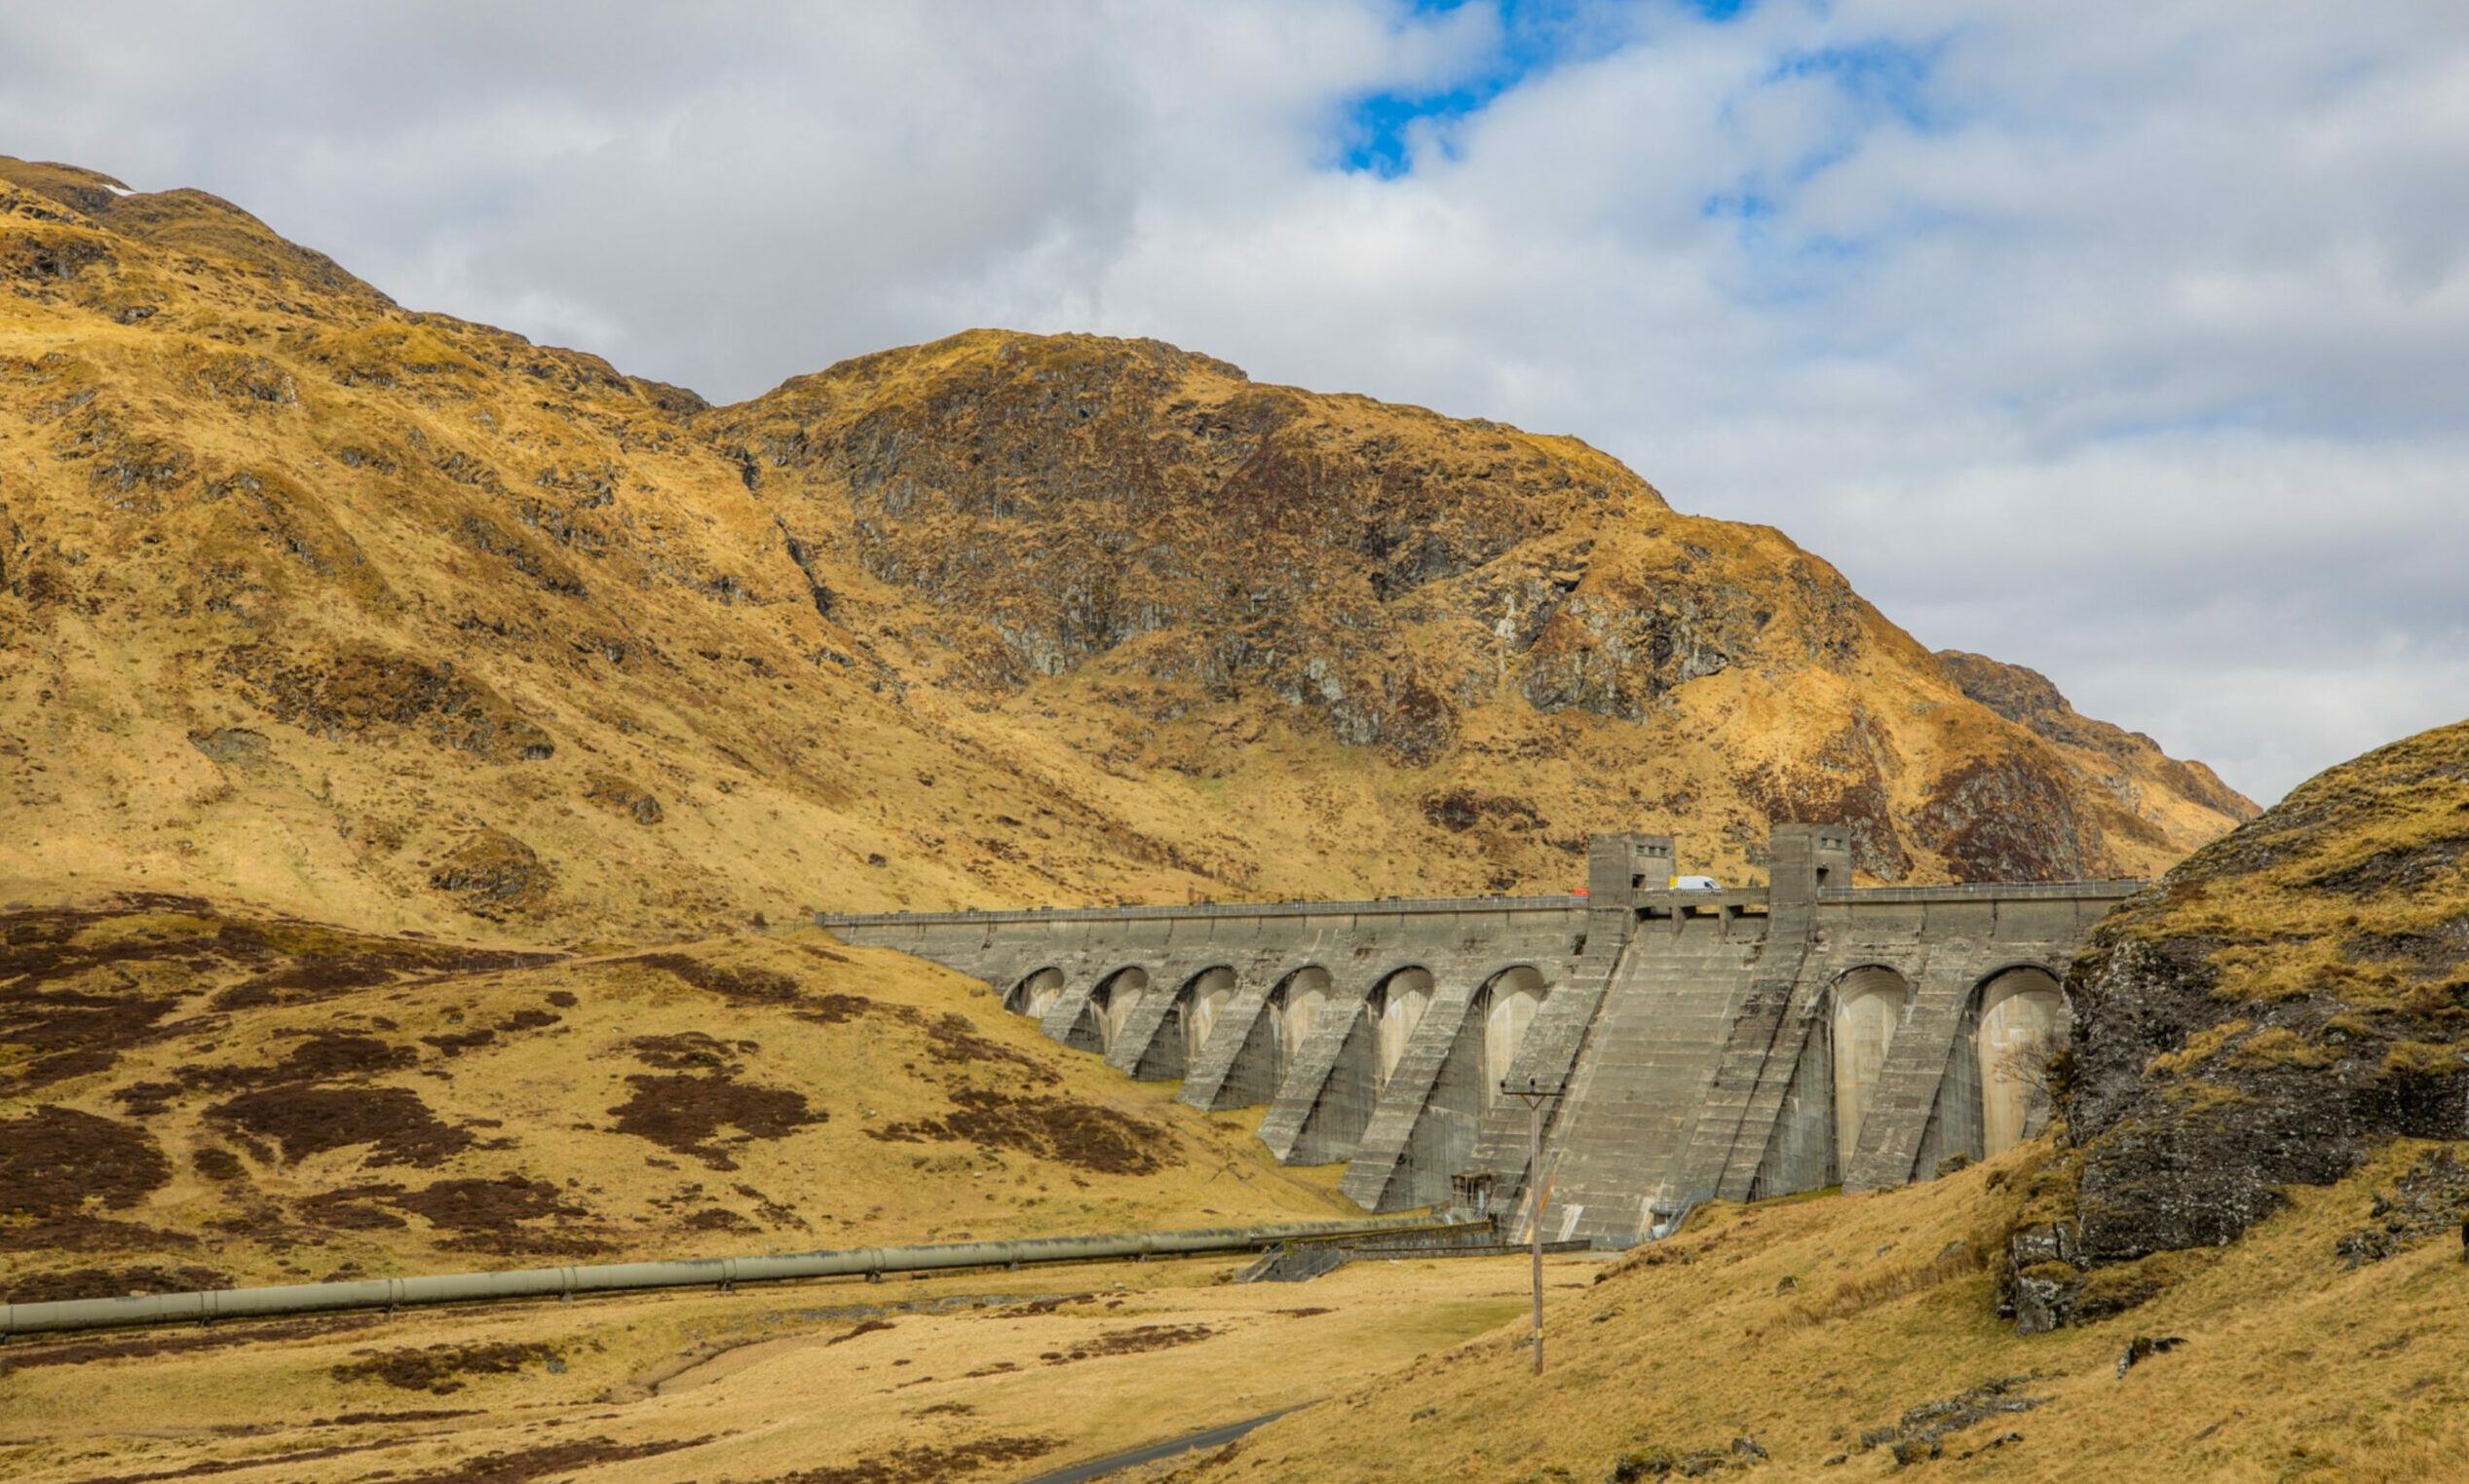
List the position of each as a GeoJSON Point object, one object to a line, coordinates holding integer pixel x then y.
{"type": "Point", "coordinates": [390, 618]}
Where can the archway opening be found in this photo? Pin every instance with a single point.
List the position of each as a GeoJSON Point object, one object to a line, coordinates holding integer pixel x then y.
{"type": "Point", "coordinates": [1035, 994]}
{"type": "Point", "coordinates": [2022, 1026]}
{"type": "Point", "coordinates": [1111, 1002]}
{"type": "Point", "coordinates": [1293, 1009]}
{"type": "Point", "coordinates": [1510, 1008]}
{"type": "Point", "coordinates": [1397, 1008]}
{"type": "Point", "coordinates": [1870, 1004]}
{"type": "Point", "coordinates": [1203, 1000]}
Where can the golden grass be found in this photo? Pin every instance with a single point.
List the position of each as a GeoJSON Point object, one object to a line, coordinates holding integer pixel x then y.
{"type": "Point", "coordinates": [2292, 1367]}
{"type": "Point", "coordinates": [771, 1380]}
{"type": "Point", "coordinates": [540, 1066]}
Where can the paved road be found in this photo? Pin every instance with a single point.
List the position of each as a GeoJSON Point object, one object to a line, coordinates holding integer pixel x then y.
{"type": "Point", "coordinates": [1098, 1469]}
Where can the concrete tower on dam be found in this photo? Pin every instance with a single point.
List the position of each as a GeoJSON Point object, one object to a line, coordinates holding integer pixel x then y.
{"type": "Point", "coordinates": [1725, 1043]}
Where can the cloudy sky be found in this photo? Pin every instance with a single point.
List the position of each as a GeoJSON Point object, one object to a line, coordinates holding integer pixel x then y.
{"type": "Point", "coordinates": [2127, 339]}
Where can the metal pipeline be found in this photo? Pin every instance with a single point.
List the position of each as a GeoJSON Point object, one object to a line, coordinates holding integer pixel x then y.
{"type": "Point", "coordinates": [389, 1293]}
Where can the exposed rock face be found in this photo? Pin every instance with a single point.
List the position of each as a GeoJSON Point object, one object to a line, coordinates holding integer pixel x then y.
{"type": "Point", "coordinates": [1070, 498]}
{"type": "Point", "coordinates": [2281, 1003]}
{"type": "Point", "coordinates": [1099, 525]}
{"type": "Point", "coordinates": [2026, 697]}
{"type": "Point", "coordinates": [298, 589]}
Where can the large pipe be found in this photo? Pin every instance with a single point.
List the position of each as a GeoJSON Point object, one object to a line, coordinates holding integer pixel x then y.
{"type": "Point", "coordinates": [698, 1273]}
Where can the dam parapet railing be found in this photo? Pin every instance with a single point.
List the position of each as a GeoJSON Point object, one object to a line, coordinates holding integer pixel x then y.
{"type": "Point", "coordinates": [1732, 898]}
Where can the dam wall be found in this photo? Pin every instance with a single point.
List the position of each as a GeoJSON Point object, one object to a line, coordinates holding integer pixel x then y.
{"type": "Point", "coordinates": [1732, 1043]}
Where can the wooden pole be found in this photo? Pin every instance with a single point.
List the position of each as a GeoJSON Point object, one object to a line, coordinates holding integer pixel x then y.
{"type": "Point", "coordinates": [1534, 1229]}
{"type": "Point", "coordinates": [1535, 1096]}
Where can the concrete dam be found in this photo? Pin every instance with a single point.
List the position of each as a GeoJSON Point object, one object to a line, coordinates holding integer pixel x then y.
{"type": "Point", "coordinates": [1727, 1043]}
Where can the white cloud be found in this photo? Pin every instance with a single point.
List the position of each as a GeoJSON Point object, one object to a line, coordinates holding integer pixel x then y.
{"type": "Point", "coordinates": [2119, 338]}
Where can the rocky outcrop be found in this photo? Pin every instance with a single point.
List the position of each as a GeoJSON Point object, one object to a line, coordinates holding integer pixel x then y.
{"type": "Point", "coordinates": [2273, 1009]}
{"type": "Point", "coordinates": [2026, 697]}
{"type": "Point", "coordinates": [493, 874]}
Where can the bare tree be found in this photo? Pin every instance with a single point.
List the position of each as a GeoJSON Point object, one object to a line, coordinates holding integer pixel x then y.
{"type": "Point", "coordinates": [2030, 1062]}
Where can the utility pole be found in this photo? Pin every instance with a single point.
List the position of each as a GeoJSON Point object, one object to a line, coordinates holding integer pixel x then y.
{"type": "Point", "coordinates": [1535, 1096]}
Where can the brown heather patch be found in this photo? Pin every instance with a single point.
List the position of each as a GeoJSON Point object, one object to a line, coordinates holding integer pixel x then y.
{"type": "Point", "coordinates": [76, 1032]}
{"type": "Point", "coordinates": [304, 984]}
{"type": "Point", "coordinates": [838, 1010]}
{"type": "Point", "coordinates": [217, 1163]}
{"type": "Point", "coordinates": [689, 1050]}
{"type": "Point", "coordinates": [737, 987]}
{"type": "Point", "coordinates": [351, 1209]}
{"type": "Point", "coordinates": [953, 1040]}
{"type": "Point", "coordinates": [321, 1055]}
{"type": "Point", "coordinates": [53, 1161]}
{"type": "Point", "coordinates": [142, 1100]}
{"type": "Point", "coordinates": [493, 1216]}
{"type": "Point", "coordinates": [1140, 1339]}
{"type": "Point", "coordinates": [33, 1354]}
{"type": "Point", "coordinates": [76, 995]}
{"type": "Point", "coordinates": [208, 1467]}
{"type": "Point", "coordinates": [112, 1282]}
{"type": "Point", "coordinates": [685, 1112]}
{"type": "Point", "coordinates": [1064, 1129]}
{"type": "Point", "coordinates": [328, 976]}
{"type": "Point", "coordinates": [484, 1215]}
{"type": "Point", "coordinates": [308, 1119]}
{"type": "Point", "coordinates": [574, 1460]}
{"type": "Point", "coordinates": [441, 1369]}
{"type": "Point", "coordinates": [927, 1462]}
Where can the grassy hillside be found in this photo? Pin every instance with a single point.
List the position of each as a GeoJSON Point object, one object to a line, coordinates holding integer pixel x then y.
{"type": "Point", "coordinates": [193, 1099]}
{"type": "Point", "coordinates": [1835, 1332]}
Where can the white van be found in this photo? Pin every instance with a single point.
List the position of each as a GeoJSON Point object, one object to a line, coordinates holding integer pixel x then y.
{"type": "Point", "coordinates": [1695, 883]}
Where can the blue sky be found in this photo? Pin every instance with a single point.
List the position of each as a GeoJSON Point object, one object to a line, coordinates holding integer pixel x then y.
{"type": "Point", "coordinates": [1527, 37]}
{"type": "Point", "coordinates": [2121, 339]}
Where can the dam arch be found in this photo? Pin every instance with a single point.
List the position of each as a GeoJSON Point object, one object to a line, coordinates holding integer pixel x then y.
{"type": "Point", "coordinates": [1110, 1007]}
{"type": "Point", "coordinates": [1207, 999]}
{"type": "Point", "coordinates": [2022, 1021]}
{"type": "Point", "coordinates": [1036, 993]}
{"type": "Point", "coordinates": [1294, 1007]}
{"type": "Point", "coordinates": [1507, 1006]}
{"type": "Point", "coordinates": [1868, 1006]}
{"type": "Point", "coordinates": [1396, 1007]}
{"type": "Point", "coordinates": [1174, 1041]}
